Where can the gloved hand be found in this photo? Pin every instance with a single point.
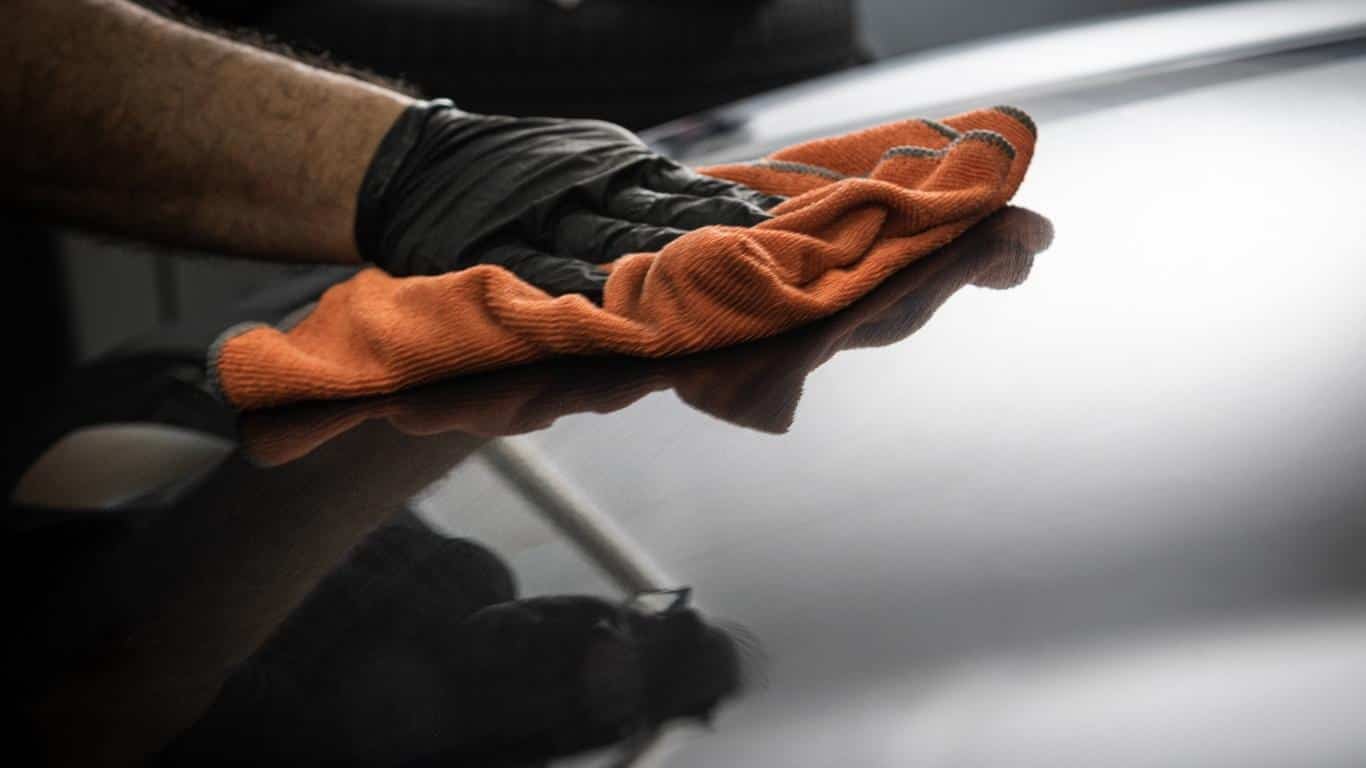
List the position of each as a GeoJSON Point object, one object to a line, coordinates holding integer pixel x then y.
{"type": "Point", "coordinates": [547, 199]}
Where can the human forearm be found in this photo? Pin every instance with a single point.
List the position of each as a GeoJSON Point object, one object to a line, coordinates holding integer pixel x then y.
{"type": "Point", "coordinates": [132, 123]}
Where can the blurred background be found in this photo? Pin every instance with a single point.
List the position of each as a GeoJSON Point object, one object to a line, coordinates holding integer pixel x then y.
{"type": "Point", "coordinates": [636, 63]}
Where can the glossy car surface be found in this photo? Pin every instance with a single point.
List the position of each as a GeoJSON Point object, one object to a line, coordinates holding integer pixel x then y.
{"type": "Point", "coordinates": [1086, 488]}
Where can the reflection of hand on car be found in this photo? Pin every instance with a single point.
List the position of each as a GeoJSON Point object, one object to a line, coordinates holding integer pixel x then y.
{"type": "Point", "coordinates": [418, 648]}
{"type": "Point", "coordinates": [755, 385]}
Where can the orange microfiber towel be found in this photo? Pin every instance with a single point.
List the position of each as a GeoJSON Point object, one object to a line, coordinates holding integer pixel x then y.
{"type": "Point", "coordinates": [861, 206]}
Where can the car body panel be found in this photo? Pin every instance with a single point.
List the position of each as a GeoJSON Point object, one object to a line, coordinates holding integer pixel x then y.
{"type": "Point", "coordinates": [1108, 514]}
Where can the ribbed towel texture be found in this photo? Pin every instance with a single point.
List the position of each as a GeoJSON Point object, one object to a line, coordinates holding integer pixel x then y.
{"type": "Point", "coordinates": [756, 385]}
{"type": "Point", "coordinates": [861, 207]}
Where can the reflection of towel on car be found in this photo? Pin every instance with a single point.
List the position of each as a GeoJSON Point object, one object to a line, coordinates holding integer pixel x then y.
{"type": "Point", "coordinates": [755, 385]}
{"type": "Point", "coordinates": [861, 207]}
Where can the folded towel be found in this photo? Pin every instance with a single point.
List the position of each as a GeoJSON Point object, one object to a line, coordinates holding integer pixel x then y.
{"type": "Point", "coordinates": [755, 385]}
{"type": "Point", "coordinates": [861, 207]}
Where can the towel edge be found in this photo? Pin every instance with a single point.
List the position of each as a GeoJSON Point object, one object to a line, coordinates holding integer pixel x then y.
{"type": "Point", "coordinates": [211, 367]}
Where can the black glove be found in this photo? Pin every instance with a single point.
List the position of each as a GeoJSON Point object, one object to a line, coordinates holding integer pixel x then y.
{"type": "Point", "coordinates": [544, 198]}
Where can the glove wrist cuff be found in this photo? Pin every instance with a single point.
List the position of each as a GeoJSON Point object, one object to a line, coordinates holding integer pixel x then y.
{"type": "Point", "coordinates": [391, 155]}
